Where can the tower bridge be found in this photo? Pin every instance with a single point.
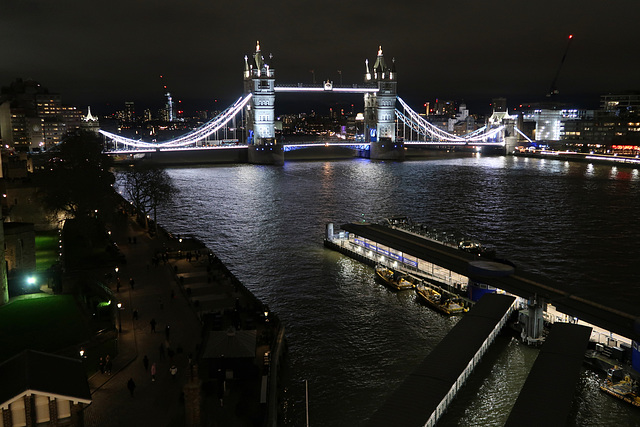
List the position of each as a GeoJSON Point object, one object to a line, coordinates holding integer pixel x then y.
{"type": "Point", "coordinates": [387, 130]}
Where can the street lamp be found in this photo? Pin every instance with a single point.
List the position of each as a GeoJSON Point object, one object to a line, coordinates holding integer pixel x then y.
{"type": "Point", "coordinates": [117, 269]}
{"type": "Point", "coordinates": [119, 317]}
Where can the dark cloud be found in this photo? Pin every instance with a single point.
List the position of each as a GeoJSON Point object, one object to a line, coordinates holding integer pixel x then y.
{"type": "Point", "coordinates": [108, 52]}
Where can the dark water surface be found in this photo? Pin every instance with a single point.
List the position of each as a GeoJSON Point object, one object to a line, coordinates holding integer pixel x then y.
{"type": "Point", "coordinates": [353, 340]}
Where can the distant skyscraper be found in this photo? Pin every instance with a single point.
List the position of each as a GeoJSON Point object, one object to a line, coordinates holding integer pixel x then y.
{"type": "Point", "coordinates": [169, 107]}
{"type": "Point", "coordinates": [31, 117]}
{"type": "Point", "coordinates": [129, 112]}
{"type": "Point", "coordinates": [628, 102]}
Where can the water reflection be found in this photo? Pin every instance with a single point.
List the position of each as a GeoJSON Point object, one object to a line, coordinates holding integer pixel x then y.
{"type": "Point", "coordinates": [352, 338]}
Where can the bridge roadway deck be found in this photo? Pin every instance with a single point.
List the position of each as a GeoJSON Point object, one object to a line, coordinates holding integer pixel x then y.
{"type": "Point", "coordinates": [616, 319]}
{"type": "Point", "coordinates": [424, 396]}
{"type": "Point", "coordinates": [558, 364]}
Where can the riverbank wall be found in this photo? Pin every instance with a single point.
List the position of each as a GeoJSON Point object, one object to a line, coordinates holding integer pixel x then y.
{"type": "Point", "coordinates": [212, 291]}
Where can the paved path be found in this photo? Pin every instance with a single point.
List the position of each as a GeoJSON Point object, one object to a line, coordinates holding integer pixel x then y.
{"type": "Point", "coordinates": [155, 403]}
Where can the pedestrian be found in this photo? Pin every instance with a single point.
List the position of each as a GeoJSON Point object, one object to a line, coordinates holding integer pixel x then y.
{"type": "Point", "coordinates": [135, 314]}
{"type": "Point", "coordinates": [152, 322]}
{"type": "Point", "coordinates": [167, 331]}
{"type": "Point", "coordinates": [173, 371]}
{"type": "Point", "coordinates": [101, 364]}
{"type": "Point", "coordinates": [118, 284]}
{"type": "Point", "coordinates": [145, 362]}
{"type": "Point", "coordinates": [131, 282]}
{"type": "Point", "coordinates": [131, 386]}
{"type": "Point", "coordinates": [108, 364]}
{"type": "Point", "coordinates": [153, 371]}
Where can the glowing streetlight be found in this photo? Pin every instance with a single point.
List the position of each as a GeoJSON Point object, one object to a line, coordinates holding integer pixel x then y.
{"type": "Point", "coordinates": [31, 280]}
{"type": "Point", "coordinates": [117, 269]}
{"type": "Point", "coordinates": [119, 317]}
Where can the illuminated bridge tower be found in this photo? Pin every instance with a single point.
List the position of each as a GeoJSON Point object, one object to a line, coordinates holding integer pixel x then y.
{"type": "Point", "coordinates": [380, 112]}
{"type": "Point", "coordinates": [259, 80]}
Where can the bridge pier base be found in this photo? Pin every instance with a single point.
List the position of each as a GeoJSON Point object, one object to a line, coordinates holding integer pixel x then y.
{"type": "Point", "coordinates": [510, 143]}
{"type": "Point", "coordinates": [386, 150]}
{"type": "Point", "coordinates": [535, 321]}
{"type": "Point", "coordinates": [266, 154]}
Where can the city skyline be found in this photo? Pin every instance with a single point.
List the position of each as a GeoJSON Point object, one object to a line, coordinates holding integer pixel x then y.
{"type": "Point", "coordinates": [105, 54]}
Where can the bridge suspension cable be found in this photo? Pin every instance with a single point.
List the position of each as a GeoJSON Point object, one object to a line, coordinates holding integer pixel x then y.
{"type": "Point", "coordinates": [190, 138]}
{"type": "Point", "coordinates": [423, 127]}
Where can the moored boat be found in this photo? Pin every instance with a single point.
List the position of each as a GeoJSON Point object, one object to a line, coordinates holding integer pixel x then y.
{"type": "Point", "coordinates": [394, 280]}
{"type": "Point", "coordinates": [626, 390]}
{"type": "Point", "coordinates": [434, 299]}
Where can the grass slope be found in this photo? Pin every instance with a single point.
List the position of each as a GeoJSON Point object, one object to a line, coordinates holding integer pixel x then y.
{"type": "Point", "coordinates": [41, 322]}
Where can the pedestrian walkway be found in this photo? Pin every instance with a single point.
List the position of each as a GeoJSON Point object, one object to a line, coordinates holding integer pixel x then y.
{"type": "Point", "coordinates": [177, 335]}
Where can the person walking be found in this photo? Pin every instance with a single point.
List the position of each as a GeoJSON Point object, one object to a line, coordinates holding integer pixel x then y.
{"type": "Point", "coordinates": [131, 386]}
{"type": "Point", "coordinates": [173, 371]}
{"type": "Point", "coordinates": [153, 371]}
{"type": "Point", "coordinates": [145, 362]}
{"type": "Point", "coordinates": [152, 322]}
{"type": "Point", "coordinates": [108, 364]}
{"type": "Point", "coordinates": [132, 282]}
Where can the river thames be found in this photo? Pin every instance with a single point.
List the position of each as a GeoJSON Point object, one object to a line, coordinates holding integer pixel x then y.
{"type": "Point", "coordinates": [352, 339]}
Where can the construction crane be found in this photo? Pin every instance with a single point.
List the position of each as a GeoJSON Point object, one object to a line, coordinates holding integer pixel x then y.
{"type": "Point", "coordinates": [554, 90]}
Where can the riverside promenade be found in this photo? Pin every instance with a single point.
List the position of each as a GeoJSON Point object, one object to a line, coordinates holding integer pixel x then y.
{"type": "Point", "coordinates": [156, 294]}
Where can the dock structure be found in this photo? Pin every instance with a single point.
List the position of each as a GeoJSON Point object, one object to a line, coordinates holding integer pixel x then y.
{"type": "Point", "coordinates": [445, 370]}
{"type": "Point", "coordinates": [559, 363]}
{"type": "Point", "coordinates": [413, 248]}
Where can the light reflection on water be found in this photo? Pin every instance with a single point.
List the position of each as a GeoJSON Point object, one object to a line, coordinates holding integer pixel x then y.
{"type": "Point", "coordinates": [354, 340]}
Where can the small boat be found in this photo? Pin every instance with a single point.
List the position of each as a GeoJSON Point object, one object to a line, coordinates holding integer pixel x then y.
{"type": "Point", "coordinates": [434, 299]}
{"type": "Point", "coordinates": [392, 279]}
{"type": "Point", "coordinates": [626, 390]}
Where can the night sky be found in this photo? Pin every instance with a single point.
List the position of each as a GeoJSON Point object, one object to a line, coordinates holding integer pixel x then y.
{"type": "Point", "coordinates": [104, 53]}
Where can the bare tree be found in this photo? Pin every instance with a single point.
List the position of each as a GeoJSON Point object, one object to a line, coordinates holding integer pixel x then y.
{"type": "Point", "coordinates": [148, 188]}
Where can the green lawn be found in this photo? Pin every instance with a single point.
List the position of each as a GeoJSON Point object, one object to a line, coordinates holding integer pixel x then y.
{"type": "Point", "coordinates": [42, 322]}
{"type": "Point", "coordinates": [47, 249]}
